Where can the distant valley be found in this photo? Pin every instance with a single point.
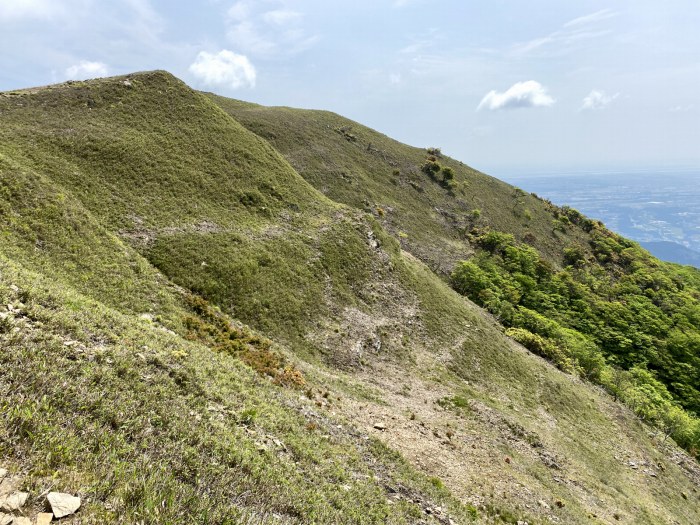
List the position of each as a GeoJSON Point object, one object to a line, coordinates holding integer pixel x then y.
{"type": "Point", "coordinates": [660, 210]}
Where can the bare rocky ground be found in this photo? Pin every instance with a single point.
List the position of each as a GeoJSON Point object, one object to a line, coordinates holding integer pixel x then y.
{"type": "Point", "coordinates": [23, 508]}
{"type": "Point", "coordinates": [489, 460]}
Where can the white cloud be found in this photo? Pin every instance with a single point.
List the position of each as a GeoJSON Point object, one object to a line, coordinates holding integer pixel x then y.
{"type": "Point", "coordinates": [16, 9]}
{"type": "Point", "coordinates": [262, 31]}
{"type": "Point", "coordinates": [147, 23]}
{"type": "Point", "coordinates": [239, 11]}
{"type": "Point", "coordinates": [430, 37]}
{"type": "Point", "coordinates": [571, 33]}
{"type": "Point", "coordinates": [682, 109]}
{"type": "Point", "coordinates": [281, 17]}
{"type": "Point", "coordinates": [224, 68]}
{"type": "Point", "coordinates": [245, 35]}
{"type": "Point", "coordinates": [86, 69]}
{"type": "Point", "coordinates": [598, 100]}
{"type": "Point", "coordinates": [603, 14]}
{"type": "Point", "coordinates": [395, 78]}
{"type": "Point", "coordinates": [528, 94]}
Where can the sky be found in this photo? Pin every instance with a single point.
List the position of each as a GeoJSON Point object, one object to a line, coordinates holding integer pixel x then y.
{"type": "Point", "coordinates": [503, 85]}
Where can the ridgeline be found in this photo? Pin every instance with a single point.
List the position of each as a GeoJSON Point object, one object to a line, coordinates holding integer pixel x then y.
{"type": "Point", "coordinates": [217, 312]}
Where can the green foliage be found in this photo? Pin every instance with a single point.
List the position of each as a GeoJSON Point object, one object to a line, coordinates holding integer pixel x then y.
{"type": "Point", "coordinates": [622, 308]}
{"type": "Point", "coordinates": [437, 482]}
{"type": "Point", "coordinates": [495, 241]}
{"type": "Point", "coordinates": [212, 328]}
{"type": "Point", "coordinates": [458, 403]}
{"type": "Point", "coordinates": [540, 346]}
{"type": "Point", "coordinates": [559, 224]}
{"type": "Point", "coordinates": [448, 174]}
{"type": "Point", "coordinates": [574, 255]}
{"type": "Point", "coordinates": [431, 167]}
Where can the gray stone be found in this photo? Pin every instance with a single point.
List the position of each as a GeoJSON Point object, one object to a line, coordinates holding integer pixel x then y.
{"type": "Point", "coordinates": [6, 519]}
{"type": "Point", "coordinates": [380, 426]}
{"type": "Point", "coordinates": [13, 501]}
{"type": "Point", "coordinates": [8, 486]}
{"type": "Point", "coordinates": [63, 504]}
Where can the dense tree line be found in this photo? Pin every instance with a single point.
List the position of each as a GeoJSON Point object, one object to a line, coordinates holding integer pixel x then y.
{"type": "Point", "coordinates": [613, 314]}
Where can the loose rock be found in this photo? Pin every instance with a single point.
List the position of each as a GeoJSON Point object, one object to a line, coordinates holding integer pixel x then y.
{"type": "Point", "coordinates": [380, 426]}
{"type": "Point", "coordinates": [542, 503]}
{"type": "Point", "coordinates": [13, 501]}
{"type": "Point", "coordinates": [5, 519]}
{"type": "Point", "coordinates": [44, 518]}
{"type": "Point", "coordinates": [63, 504]}
{"type": "Point", "coordinates": [22, 521]}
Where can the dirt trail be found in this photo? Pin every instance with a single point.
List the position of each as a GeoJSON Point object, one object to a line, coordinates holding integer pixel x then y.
{"type": "Point", "coordinates": [484, 457]}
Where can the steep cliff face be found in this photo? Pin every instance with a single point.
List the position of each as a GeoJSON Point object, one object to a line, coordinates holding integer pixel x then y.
{"type": "Point", "coordinates": [229, 315]}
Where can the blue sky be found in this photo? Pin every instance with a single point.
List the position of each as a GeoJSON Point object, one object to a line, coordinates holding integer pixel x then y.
{"type": "Point", "coordinates": [503, 85]}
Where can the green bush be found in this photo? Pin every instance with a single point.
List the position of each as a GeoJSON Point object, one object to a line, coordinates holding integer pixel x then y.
{"type": "Point", "coordinates": [541, 346]}
{"type": "Point", "coordinates": [494, 241]}
{"type": "Point", "coordinates": [469, 279]}
{"type": "Point", "coordinates": [431, 167]}
{"type": "Point", "coordinates": [448, 174]}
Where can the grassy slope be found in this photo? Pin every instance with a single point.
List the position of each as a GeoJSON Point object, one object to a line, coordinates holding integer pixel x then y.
{"type": "Point", "coordinates": [154, 172]}
{"type": "Point", "coordinates": [50, 230]}
{"type": "Point", "coordinates": [181, 181]}
{"type": "Point", "coordinates": [151, 426]}
{"type": "Point", "coordinates": [355, 165]}
{"type": "Point", "coordinates": [144, 425]}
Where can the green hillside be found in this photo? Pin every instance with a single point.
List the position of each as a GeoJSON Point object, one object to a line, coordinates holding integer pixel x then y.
{"type": "Point", "coordinates": [362, 168]}
{"type": "Point", "coordinates": [608, 306]}
{"type": "Point", "coordinates": [201, 326]}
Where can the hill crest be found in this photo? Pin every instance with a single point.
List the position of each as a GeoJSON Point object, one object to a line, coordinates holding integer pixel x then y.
{"type": "Point", "coordinates": [184, 243]}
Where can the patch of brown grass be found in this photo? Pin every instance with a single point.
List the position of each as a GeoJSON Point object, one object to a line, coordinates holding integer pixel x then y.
{"type": "Point", "coordinates": [209, 326]}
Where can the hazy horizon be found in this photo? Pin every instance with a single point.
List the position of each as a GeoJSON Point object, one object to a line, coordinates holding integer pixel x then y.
{"type": "Point", "coordinates": [524, 172]}
{"type": "Point", "coordinates": [499, 85]}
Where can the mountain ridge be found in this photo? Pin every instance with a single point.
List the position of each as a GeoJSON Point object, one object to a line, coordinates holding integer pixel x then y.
{"type": "Point", "coordinates": [367, 360]}
{"type": "Point", "coordinates": [552, 247]}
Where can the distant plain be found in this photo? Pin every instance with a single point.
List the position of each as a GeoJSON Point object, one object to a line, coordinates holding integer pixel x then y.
{"type": "Point", "coordinates": [653, 207]}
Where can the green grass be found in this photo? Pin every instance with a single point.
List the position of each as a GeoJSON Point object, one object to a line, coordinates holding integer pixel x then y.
{"type": "Point", "coordinates": [374, 172]}
{"type": "Point", "coordinates": [48, 229]}
{"type": "Point", "coordinates": [119, 201]}
{"type": "Point", "coordinates": [147, 426]}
